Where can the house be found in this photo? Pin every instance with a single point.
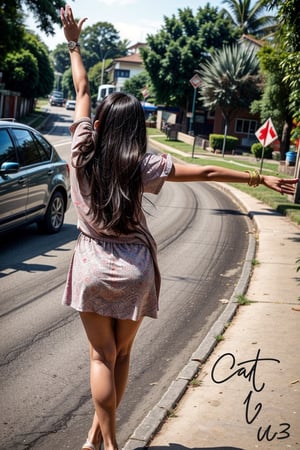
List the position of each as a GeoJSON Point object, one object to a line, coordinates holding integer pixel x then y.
{"type": "Point", "coordinates": [243, 126]}
{"type": "Point", "coordinates": [126, 67]}
{"type": "Point", "coordinates": [249, 42]}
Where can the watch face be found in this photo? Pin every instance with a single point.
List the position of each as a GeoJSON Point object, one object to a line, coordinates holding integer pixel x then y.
{"type": "Point", "coordinates": [72, 45]}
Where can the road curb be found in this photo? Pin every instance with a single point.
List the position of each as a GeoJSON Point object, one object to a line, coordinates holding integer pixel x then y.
{"type": "Point", "coordinates": [145, 432]}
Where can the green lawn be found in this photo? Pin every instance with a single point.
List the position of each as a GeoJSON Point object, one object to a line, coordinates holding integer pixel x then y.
{"type": "Point", "coordinates": [276, 201]}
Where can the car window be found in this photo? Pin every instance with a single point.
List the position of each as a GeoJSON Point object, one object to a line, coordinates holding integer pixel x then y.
{"type": "Point", "coordinates": [7, 150]}
{"type": "Point", "coordinates": [45, 146]}
{"type": "Point", "coordinates": [30, 151]}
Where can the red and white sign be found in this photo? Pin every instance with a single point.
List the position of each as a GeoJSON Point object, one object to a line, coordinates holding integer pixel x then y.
{"type": "Point", "coordinates": [195, 81]}
{"type": "Point", "coordinates": [266, 134]}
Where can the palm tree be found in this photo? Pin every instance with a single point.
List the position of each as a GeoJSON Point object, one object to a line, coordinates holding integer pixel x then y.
{"type": "Point", "coordinates": [229, 81]}
{"type": "Point", "coordinates": [251, 19]}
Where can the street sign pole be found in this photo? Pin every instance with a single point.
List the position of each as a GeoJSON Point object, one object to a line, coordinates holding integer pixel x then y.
{"type": "Point", "coordinates": [193, 111]}
{"type": "Point", "coordinates": [195, 82]}
{"type": "Point", "coordinates": [262, 159]}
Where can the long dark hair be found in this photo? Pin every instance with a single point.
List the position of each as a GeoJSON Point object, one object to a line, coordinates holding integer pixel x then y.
{"type": "Point", "coordinates": [114, 172]}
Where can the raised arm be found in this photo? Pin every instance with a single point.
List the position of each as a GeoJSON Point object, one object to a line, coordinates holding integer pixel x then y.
{"type": "Point", "coordinates": [193, 172]}
{"type": "Point", "coordinates": [72, 31]}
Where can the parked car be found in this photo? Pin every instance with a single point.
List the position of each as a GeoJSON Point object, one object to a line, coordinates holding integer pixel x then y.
{"type": "Point", "coordinates": [34, 180]}
{"type": "Point", "coordinates": [57, 99]}
{"type": "Point", "coordinates": [70, 104]}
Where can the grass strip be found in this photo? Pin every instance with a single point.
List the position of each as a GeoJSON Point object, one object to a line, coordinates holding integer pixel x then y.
{"type": "Point", "coordinates": [278, 202]}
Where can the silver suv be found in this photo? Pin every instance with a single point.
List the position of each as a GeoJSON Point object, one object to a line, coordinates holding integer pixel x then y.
{"type": "Point", "coordinates": [57, 99]}
{"type": "Point", "coordinates": [34, 180]}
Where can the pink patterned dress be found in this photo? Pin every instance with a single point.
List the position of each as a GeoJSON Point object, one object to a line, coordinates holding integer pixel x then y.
{"type": "Point", "coordinates": [112, 275]}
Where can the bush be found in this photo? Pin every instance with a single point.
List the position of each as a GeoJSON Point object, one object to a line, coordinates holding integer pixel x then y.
{"type": "Point", "coordinates": [216, 142]}
{"type": "Point", "coordinates": [256, 150]}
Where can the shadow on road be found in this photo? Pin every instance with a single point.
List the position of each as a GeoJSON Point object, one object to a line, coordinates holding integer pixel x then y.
{"type": "Point", "coordinates": [173, 446]}
{"type": "Point", "coordinates": [26, 243]}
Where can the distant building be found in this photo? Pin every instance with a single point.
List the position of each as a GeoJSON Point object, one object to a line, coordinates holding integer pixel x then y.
{"type": "Point", "coordinates": [249, 41]}
{"type": "Point", "coordinates": [125, 67]}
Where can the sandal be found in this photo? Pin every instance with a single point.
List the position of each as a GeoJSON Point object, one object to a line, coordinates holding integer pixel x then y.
{"type": "Point", "coordinates": [89, 445]}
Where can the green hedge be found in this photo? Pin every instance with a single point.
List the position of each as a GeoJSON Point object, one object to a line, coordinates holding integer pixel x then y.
{"type": "Point", "coordinates": [256, 150]}
{"type": "Point", "coordinates": [216, 142]}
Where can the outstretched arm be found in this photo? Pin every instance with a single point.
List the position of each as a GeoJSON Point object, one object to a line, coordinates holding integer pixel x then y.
{"type": "Point", "coordinates": [72, 31]}
{"type": "Point", "coordinates": [193, 172]}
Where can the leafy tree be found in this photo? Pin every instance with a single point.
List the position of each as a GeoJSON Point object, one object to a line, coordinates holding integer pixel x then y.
{"type": "Point", "coordinates": [21, 72]}
{"type": "Point", "coordinates": [136, 84]}
{"type": "Point", "coordinates": [29, 70]}
{"type": "Point", "coordinates": [44, 12]}
{"type": "Point", "coordinates": [67, 84]}
{"type": "Point", "coordinates": [102, 41]}
{"type": "Point", "coordinates": [181, 45]}
{"type": "Point", "coordinates": [280, 66]}
{"type": "Point", "coordinates": [96, 71]}
{"type": "Point", "coordinates": [290, 65]}
{"type": "Point", "coordinates": [15, 45]}
{"type": "Point", "coordinates": [289, 19]}
{"type": "Point", "coordinates": [229, 81]}
{"type": "Point", "coordinates": [289, 40]}
{"type": "Point", "coordinates": [61, 58]}
{"type": "Point", "coordinates": [12, 18]}
{"type": "Point", "coordinates": [12, 30]}
{"type": "Point", "coordinates": [45, 70]}
{"type": "Point", "coordinates": [275, 99]}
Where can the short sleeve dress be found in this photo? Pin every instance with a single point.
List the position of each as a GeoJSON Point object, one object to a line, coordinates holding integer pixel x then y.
{"type": "Point", "coordinates": [109, 274]}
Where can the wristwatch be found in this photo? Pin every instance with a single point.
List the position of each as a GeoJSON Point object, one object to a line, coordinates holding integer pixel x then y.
{"type": "Point", "coordinates": [73, 44]}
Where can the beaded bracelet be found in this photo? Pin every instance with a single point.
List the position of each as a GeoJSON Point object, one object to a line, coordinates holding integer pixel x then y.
{"type": "Point", "coordinates": [254, 179]}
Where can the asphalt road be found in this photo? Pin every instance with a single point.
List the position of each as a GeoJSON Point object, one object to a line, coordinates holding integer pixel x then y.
{"type": "Point", "coordinates": [45, 401]}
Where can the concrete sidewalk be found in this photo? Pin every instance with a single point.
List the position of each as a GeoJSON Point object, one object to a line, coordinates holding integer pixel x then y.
{"type": "Point", "coordinates": [247, 393]}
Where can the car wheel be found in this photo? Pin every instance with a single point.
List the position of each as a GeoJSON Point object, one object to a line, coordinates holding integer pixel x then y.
{"type": "Point", "coordinates": [55, 214]}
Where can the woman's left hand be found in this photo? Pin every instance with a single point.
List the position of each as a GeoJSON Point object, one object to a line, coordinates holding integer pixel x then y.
{"type": "Point", "coordinates": [282, 185]}
{"type": "Point", "coordinates": [72, 29]}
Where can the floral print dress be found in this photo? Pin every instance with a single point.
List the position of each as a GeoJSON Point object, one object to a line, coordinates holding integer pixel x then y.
{"type": "Point", "coordinates": [112, 275]}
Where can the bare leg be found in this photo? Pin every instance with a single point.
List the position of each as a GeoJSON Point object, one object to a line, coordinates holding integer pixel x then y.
{"type": "Point", "coordinates": [125, 332]}
{"type": "Point", "coordinates": [94, 434]}
{"type": "Point", "coordinates": [100, 333]}
{"type": "Point", "coordinates": [110, 344]}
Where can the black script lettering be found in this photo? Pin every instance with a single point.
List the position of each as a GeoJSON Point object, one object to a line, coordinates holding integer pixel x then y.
{"type": "Point", "coordinates": [257, 409]}
{"type": "Point", "coordinates": [266, 434]}
{"type": "Point", "coordinates": [284, 431]}
{"type": "Point", "coordinates": [249, 374]}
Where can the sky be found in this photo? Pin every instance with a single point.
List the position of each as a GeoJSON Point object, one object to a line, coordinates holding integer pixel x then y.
{"type": "Point", "coordinates": [133, 19]}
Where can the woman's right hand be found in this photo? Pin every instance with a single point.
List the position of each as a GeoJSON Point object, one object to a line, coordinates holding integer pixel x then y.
{"type": "Point", "coordinates": [72, 31]}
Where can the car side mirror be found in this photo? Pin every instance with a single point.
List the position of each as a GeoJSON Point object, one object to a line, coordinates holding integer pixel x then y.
{"type": "Point", "coordinates": [9, 167]}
